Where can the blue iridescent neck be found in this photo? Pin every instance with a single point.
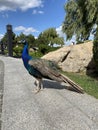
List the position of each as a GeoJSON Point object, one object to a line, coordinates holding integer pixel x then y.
{"type": "Point", "coordinates": [25, 56]}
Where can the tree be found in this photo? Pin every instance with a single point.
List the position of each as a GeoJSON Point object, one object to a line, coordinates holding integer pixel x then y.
{"type": "Point", "coordinates": [31, 39]}
{"type": "Point", "coordinates": [81, 15]}
{"type": "Point", "coordinates": [4, 40]}
{"type": "Point", "coordinates": [21, 37]}
{"type": "Point", "coordinates": [47, 39]}
{"type": "Point", "coordinates": [95, 49]}
{"type": "Point", "coordinates": [50, 37]}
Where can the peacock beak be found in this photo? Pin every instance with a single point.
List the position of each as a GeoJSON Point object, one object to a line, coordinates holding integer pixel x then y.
{"type": "Point", "coordinates": [24, 42]}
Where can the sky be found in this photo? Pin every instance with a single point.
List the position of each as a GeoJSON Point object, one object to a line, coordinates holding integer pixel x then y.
{"type": "Point", "coordinates": [32, 16]}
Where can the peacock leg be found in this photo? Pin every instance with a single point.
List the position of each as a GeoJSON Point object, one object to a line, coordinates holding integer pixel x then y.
{"type": "Point", "coordinates": [35, 83]}
{"type": "Point", "coordinates": [39, 85]}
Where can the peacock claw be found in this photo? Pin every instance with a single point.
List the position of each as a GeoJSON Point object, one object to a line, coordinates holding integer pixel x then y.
{"type": "Point", "coordinates": [35, 83]}
{"type": "Point", "coordinates": [36, 90]}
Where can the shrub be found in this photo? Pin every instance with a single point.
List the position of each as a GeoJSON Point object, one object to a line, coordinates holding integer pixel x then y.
{"type": "Point", "coordinates": [17, 51]}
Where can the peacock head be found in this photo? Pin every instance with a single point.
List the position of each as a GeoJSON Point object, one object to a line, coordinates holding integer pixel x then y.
{"type": "Point", "coordinates": [24, 42]}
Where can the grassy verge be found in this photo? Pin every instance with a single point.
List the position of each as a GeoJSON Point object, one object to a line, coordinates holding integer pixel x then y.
{"type": "Point", "coordinates": [90, 85]}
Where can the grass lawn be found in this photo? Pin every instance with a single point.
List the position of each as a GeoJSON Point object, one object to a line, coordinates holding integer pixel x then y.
{"type": "Point", "coordinates": [89, 84]}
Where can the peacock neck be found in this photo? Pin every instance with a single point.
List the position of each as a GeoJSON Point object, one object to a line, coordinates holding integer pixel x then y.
{"type": "Point", "coordinates": [25, 56]}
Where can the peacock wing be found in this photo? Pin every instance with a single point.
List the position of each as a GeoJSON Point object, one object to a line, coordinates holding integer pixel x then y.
{"type": "Point", "coordinates": [47, 71]}
{"type": "Point", "coordinates": [46, 68]}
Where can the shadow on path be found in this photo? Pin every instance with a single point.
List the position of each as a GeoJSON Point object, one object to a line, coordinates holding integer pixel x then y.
{"type": "Point", "coordinates": [56, 85]}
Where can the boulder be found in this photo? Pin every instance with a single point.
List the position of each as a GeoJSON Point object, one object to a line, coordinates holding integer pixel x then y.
{"type": "Point", "coordinates": [73, 58]}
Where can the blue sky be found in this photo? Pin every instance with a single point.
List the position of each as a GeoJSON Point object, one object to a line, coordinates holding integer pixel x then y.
{"type": "Point", "coordinates": [31, 16]}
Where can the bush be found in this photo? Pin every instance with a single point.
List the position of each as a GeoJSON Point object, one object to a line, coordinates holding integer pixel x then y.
{"type": "Point", "coordinates": [95, 49]}
{"type": "Point", "coordinates": [17, 51]}
{"type": "Point", "coordinates": [36, 54]}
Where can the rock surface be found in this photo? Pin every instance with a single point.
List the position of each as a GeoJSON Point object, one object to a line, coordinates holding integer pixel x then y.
{"type": "Point", "coordinates": [73, 58]}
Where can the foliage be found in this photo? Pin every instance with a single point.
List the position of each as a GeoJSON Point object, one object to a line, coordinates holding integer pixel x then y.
{"type": "Point", "coordinates": [36, 54]}
{"type": "Point", "coordinates": [81, 16]}
{"type": "Point", "coordinates": [21, 37]}
{"type": "Point", "coordinates": [45, 42]}
{"type": "Point", "coordinates": [90, 85]}
{"type": "Point", "coordinates": [31, 39]}
{"type": "Point", "coordinates": [95, 49]}
{"type": "Point", "coordinates": [18, 50]}
{"type": "Point", "coordinates": [4, 39]}
{"type": "Point", "coordinates": [50, 37]}
{"type": "Point", "coordinates": [43, 48]}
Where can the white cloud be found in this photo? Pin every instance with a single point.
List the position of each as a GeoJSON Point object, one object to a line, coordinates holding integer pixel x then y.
{"type": "Point", "coordinates": [1, 36]}
{"type": "Point", "coordinates": [61, 34]}
{"type": "Point", "coordinates": [25, 30]}
{"type": "Point", "coordinates": [19, 4]}
{"type": "Point", "coordinates": [40, 12]}
{"type": "Point", "coordinates": [37, 12]}
{"type": "Point", "coordinates": [5, 15]}
{"type": "Point", "coordinates": [34, 11]}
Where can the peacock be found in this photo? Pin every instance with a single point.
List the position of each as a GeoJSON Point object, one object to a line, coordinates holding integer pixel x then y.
{"type": "Point", "coordinates": [40, 68]}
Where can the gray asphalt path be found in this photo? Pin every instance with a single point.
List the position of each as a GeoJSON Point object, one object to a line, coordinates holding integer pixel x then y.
{"type": "Point", "coordinates": [54, 108]}
{"type": "Point", "coordinates": [1, 87]}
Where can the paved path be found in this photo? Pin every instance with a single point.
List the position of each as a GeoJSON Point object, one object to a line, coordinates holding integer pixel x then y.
{"type": "Point", "coordinates": [1, 87]}
{"type": "Point", "coordinates": [54, 108]}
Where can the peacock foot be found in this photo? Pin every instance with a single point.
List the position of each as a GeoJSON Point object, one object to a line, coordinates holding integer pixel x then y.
{"type": "Point", "coordinates": [36, 90]}
{"type": "Point", "coordinates": [39, 85]}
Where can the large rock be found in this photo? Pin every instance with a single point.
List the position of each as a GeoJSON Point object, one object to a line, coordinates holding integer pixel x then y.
{"type": "Point", "coordinates": [73, 58]}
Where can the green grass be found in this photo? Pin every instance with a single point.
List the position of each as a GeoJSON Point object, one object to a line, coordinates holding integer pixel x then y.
{"type": "Point", "coordinates": [89, 84]}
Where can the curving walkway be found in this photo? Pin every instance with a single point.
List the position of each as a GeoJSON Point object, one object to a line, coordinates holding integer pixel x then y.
{"type": "Point", "coordinates": [54, 108]}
